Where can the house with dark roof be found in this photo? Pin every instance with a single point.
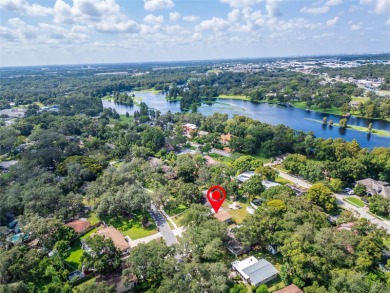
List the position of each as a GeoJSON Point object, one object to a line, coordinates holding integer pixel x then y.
{"type": "Point", "coordinates": [376, 187]}
{"type": "Point", "coordinates": [254, 271]}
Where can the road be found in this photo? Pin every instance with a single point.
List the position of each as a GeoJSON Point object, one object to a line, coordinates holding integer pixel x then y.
{"type": "Point", "coordinates": [163, 226]}
{"type": "Point", "coordinates": [361, 212]}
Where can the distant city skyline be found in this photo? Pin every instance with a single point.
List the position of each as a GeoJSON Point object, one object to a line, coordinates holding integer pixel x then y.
{"type": "Point", "coordinates": [59, 32]}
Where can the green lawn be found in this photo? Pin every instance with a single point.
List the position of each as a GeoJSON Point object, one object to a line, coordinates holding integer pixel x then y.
{"type": "Point", "coordinates": [76, 251]}
{"type": "Point", "coordinates": [355, 201]}
{"type": "Point", "coordinates": [132, 227]}
{"type": "Point", "coordinates": [237, 215]}
{"type": "Point", "coordinates": [93, 219]}
{"type": "Point", "coordinates": [221, 159]}
{"type": "Point", "coordinates": [172, 211]}
{"type": "Point", "coordinates": [125, 119]}
{"type": "Point", "coordinates": [234, 97]}
{"type": "Point", "coordinates": [360, 99]}
{"type": "Point", "coordinates": [282, 180]}
{"type": "Point", "coordinates": [261, 157]}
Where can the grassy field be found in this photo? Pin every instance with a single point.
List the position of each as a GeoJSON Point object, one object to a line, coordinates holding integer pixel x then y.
{"type": "Point", "coordinates": [76, 251]}
{"type": "Point", "coordinates": [282, 180]}
{"type": "Point", "coordinates": [360, 99]}
{"type": "Point", "coordinates": [93, 219]}
{"type": "Point", "coordinates": [173, 211]}
{"type": "Point", "coordinates": [232, 97]}
{"type": "Point", "coordinates": [261, 157]}
{"type": "Point", "coordinates": [333, 110]}
{"type": "Point", "coordinates": [132, 227]}
{"type": "Point", "coordinates": [125, 119]}
{"type": "Point", "coordinates": [355, 201]}
{"type": "Point", "coordinates": [221, 159]}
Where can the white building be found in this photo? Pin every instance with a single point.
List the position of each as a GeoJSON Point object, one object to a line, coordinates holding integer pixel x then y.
{"type": "Point", "coordinates": [255, 272]}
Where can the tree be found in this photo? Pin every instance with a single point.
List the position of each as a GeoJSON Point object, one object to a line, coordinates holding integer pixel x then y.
{"type": "Point", "coordinates": [186, 168]}
{"type": "Point", "coordinates": [336, 184]}
{"type": "Point", "coordinates": [343, 123]}
{"type": "Point", "coordinates": [360, 189]}
{"type": "Point", "coordinates": [153, 138]}
{"type": "Point", "coordinates": [238, 288]}
{"type": "Point", "coordinates": [369, 127]}
{"type": "Point", "coordinates": [253, 186]}
{"type": "Point", "coordinates": [150, 261]}
{"type": "Point", "coordinates": [379, 205]}
{"type": "Point", "coordinates": [262, 289]}
{"type": "Point", "coordinates": [267, 173]}
{"type": "Point", "coordinates": [246, 163]}
{"type": "Point", "coordinates": [321, 195]}
{"type": "Point", "coordinates": [102, 255]}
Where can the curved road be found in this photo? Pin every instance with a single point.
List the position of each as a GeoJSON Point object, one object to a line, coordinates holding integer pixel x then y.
{"type": "Point", "coordinates": [360, 212]}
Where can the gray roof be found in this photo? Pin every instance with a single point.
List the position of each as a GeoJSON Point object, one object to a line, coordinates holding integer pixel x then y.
{"type": "Point", "coordinates": [260, 271]}
{"type": "Point", "coordinates": [376, 187]}
{"type": "Point", "coordinates": [7, 164]}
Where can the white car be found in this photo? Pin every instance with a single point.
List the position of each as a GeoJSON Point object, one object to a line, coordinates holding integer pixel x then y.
{"type": "Point", "coordinates": [351, 192]}
{"type": "Point", "coordinates": [347, 189]}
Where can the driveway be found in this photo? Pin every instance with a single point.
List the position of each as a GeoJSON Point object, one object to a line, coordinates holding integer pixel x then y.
{"type": "Point", "coordinates": [360, 212]}
{"type": "Point", "coordinates": [163, 226]}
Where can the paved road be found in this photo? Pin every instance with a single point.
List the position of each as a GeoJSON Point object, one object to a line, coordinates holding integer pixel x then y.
{"type": "Point", "coordinates": [361, 212]}
{"type": "Point", "coordinates": [163, 226]}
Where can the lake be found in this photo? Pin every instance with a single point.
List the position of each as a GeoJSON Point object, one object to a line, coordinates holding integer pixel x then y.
{"type": "Point", "coordinates": [295, 118]}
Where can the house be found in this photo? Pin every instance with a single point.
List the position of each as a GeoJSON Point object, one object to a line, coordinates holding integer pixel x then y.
{"type": "Point", "coordinates": [188, 128]}
{"type": "Point", "coordinates": [235, 246]}
{"type": "Point", "coordinates": [6, 164]}
{"type": "Point", "coordinates": [225, 138]}
{"type": "Point", "coordinates": [375, 187]}
{"type": "Point", "coordinates": [80, 225]}
{"type": "Point", "coordinates": [255, 272]}
{"type": "Point", "coordinates": [289, 289]}
{"type": "Point", "coordinates": [115, 235]}
{"type": "Point", "coordinates": [267, 184]}
{"type": "Point", "coordinates": [223, 216]}
{"type": "Point", "coordinates": [245, 176]}
{"type": "Point", "coordinates": [202, 133]}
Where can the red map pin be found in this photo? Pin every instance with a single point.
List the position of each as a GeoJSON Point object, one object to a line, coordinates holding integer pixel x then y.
{"type": "Point", "coordinates": [216, 195]}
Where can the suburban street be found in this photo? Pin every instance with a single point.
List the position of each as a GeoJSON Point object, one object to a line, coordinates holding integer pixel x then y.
{"type": "Point", "coordinates": [163, 226]}
{"type": "Point", "coordinates": [360, 212]}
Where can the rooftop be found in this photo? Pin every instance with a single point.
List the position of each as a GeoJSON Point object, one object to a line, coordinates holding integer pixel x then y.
{"type": "Point", "coordinates": [223, 215]}
{"type": "Point", "coordinates": [256, 271]}
{"type": "Point", "coordinates": [116, 236]}
{"type": "Point", "coordinates": [79, 225]}
{"type": "Point", "coordinates": [290, 289]}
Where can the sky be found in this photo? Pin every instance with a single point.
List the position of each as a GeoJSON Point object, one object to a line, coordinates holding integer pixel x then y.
{"type": "Point", "coordinates": [111, 31]}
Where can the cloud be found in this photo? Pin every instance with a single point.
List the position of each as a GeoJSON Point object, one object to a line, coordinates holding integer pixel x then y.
{"type": "Point", "coordinates": [332, 21]}
{"type": "Point", "coordinates": [380, 6]}
{"type": "Point", "coordinates": [24, 7]}
{"type": "Point", "coordinates": [316, 9]}
{"type": "Point", "coordinates": [240, 3]}
{"type": "Point", "coordinates": [191, 18]}
{"type": "Point", "coordinates": [158, 4]}
{"type": "Point", "coordinates": [150, 18]}
{"type": "Point", "coordinates": [387, 22]}
{"type": "Point", "coordinates": [174, 16]}
{"type": "Point", "coordinates": [272, 9]}
{"type": "Point", "coordinates": [100, 15]}
{"type": "Point", "coordinates": [355, 27]}
{"type": "Point", "coordinates": [324, 35]}
{"type": "Point", "coordinates": [216, 24]}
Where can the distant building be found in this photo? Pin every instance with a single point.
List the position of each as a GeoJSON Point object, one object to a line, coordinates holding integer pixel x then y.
{"type": "Point", "coordinates": [115, 235]}
{"type": "Point", "coordinates": [223, 216]}
{"type": "Point", "coordinates": [225, 138]}
{"type": "Point", "coordinates": [245, 176]}
{"type": "Point", "coordinates": [80, 225]}
{"type": "Point", "coordinates": [290, 289]}
{"type": "Point", "coordinates": [255, 272]}
{"type": "Point", "coordinates": [6, 164]}
{"type": "Point", "coordinates": [188, 128]}
{"type": "Point", "coordinates": [376, 187]}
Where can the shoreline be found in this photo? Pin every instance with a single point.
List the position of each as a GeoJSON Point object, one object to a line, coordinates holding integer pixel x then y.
{"type": "Point", "coordinates": [378, 132]}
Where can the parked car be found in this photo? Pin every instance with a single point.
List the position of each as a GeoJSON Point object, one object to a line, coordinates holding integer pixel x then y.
{"type": "Point", "coordinates": [346, 190]}
{"type": "Point", "coordinates": [351, 192]}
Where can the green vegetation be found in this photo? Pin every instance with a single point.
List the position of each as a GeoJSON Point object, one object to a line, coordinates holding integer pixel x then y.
{"type": "Point", "coordinates": [233, 97]}
{"type": "Point", "coordinates": [133, 227]}
{"type": "Point", "coordinates": [358, 128]}
{"type": "Point", "coordinates": [355, 201]}
{"type": "Point", "coordinates": [333, 110]}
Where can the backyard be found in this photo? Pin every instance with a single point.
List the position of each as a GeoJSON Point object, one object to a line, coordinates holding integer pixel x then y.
{"type": "Point", "coordinates": [73, 260]}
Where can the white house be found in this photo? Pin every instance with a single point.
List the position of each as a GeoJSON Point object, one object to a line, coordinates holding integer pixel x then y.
{"type": "Point", "coordinates": [255, 272]}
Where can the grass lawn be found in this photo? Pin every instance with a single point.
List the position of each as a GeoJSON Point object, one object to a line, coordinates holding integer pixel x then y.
{"type": "Point", "coordinates": [282, 180]}
{"type": "Point", "coordinates": [221, 159]}
{"type": "Point", "coordinates": [5, 176]}
{"type": "Point", "coordinates": [132, 227]}
{"type": "Point", "coordinates": [354, 201]}
{"type": "Point", "coordinates": [233, 97]}
{"type": "Point", "coordinates": [90, 281]}
{"type": "Point", "coordinates": [125, 119]}
{"type": "Point", "coordinates": [261, 157]}
{"type": "Point", "coordinates": [76, 252]}
{"type": "Point", "coordinates": [93, 219]}
{"type": "Point", "coordinates": [360, 99]}
{"type": "Point", "coordinates": [173, 211]}
{"type": "Point", "coordinates": [386, 241]}
{"type": "Point", "coordinates": [177, 220]}
{"type": "Point", "coordinates": [237, 215]}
